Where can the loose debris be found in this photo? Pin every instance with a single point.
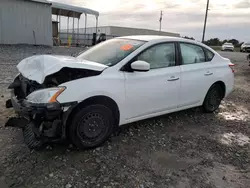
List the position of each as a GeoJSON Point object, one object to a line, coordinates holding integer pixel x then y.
{"type": "Point", "coordinates": [184, 149]}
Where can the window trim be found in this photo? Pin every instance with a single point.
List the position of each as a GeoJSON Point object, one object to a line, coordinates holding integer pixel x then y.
{"type": "Point", "coordinates": [180, 55]}
{"type": "Point", "coordinates": [127, 67]}
{"type": "Point", "coordinates": [207, 50]}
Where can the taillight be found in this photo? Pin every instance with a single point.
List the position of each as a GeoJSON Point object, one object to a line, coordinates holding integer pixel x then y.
{"type": "Point", "coordinates": [231, 65]}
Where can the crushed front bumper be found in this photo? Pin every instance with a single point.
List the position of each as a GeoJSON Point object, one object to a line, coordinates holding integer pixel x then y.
{"type": "Point", "coordinates": [46, 122]}
{"type": "Point", "coordinates": [23, 108]}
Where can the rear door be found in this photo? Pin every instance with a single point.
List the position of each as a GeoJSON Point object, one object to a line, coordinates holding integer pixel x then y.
{"type": "Point", "coordinates": [196, 75]}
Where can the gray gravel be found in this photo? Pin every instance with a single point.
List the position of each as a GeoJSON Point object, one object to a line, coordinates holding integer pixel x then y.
{"type": "Point", "coordinates": [187, 149]}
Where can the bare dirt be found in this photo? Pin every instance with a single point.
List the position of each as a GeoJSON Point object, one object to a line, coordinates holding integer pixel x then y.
{"type": "Point", "coordinates": [187, 149]}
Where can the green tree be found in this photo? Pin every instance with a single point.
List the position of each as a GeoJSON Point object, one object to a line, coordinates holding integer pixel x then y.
{"type": "Point", "coordinates": [213, 42]}
{"type": "Point", "coordinates": [234, 42]}
{"type": "Point", "coordinates": [186, 37]}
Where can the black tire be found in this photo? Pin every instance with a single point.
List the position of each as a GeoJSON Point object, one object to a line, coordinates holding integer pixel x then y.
{"type": "Point", "coordinates": [30, 139]}
{"type": "Point", "coordinates": [91, 126]}
{"type": "Point", "coordinates": [213, 98]}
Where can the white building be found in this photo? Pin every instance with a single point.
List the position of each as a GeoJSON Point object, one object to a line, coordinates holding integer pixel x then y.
{"type": "Point", "coordinates": [115, 31]}
{"type": "Point", "coordinates": [125, 31]}
{"type": "Point", "coordinates": [25, 22]}
{"type": "Point", "coordinates": [30, 21]}
{"type": "Point", "coordinates": [85, 36]}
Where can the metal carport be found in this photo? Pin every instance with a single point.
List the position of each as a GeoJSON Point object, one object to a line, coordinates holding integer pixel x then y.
{"type": "Point", "coordinates": [60, 9]}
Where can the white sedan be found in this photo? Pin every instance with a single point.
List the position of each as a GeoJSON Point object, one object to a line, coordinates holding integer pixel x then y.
{"type": "Point", "coordinates": [245, 47]}
{"type": "Point", "coordinates": [227, 46]}
{"type": "Point", "coordinates": [119, 81]}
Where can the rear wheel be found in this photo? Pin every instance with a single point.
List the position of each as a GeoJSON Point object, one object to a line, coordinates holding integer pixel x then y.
{"type": "Point", "coordinates": [213, 98]}
{"type": "Point", "coordinates": [91, 126]}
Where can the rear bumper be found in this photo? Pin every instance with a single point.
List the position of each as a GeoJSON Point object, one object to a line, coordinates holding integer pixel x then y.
{"type": "Point", "coordinates": [229, 85]}
{"type": "Point", "coordinates": [247, 49]}
{"type": "Point", "coordinates": [228, 48]}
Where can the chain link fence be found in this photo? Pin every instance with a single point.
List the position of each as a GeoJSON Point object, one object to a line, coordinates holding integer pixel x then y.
{"type": "Point", "coordinates": [75, 39]}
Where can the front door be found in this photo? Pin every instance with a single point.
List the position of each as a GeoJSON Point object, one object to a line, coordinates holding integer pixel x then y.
{"type": "Point", "coordinates": [155, 91]}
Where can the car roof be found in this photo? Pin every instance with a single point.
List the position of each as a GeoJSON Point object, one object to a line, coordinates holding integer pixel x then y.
{"type": "Point", "coordinates": [147, 37]}
{"type": "Point", "coordinates": [159, 38]}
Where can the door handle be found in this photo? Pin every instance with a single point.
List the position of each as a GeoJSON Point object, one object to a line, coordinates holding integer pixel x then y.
{"type": "Point", "coordinates": [208, 73]}
{"type": "Point", "coordinates": [172, 78]}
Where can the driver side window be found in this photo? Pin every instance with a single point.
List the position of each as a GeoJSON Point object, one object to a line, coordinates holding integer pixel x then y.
{"type": "Point", "coordinates": [159, 56]}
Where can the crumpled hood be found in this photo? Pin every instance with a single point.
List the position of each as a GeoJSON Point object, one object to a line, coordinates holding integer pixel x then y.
{"type": "Point", "coordinates": [37, 67]}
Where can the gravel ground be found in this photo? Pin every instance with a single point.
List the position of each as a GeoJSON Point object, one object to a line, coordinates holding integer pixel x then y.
{"type": "Point", "coordinates": [187, 149]}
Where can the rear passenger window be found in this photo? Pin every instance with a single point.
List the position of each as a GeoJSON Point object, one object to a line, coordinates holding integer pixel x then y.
{"type": "Point", "coordinates": [191, 54]}
{"type": "Point", "coordinates": [210, 55]}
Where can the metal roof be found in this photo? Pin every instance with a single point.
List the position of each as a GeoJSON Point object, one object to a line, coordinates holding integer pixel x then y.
{"type": "Point", "coordinates": [71, 11]}
{"type": "Point", "coordinates": [41, 1]}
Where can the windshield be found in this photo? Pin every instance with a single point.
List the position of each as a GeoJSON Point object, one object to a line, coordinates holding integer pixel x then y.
{"type": "Point", "coordinates": [230, 44]}
{"type": "Point", "coordinates": [112, 51]}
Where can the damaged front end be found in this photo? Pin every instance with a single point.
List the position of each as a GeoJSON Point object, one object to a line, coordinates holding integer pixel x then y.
{"type": "Point", "coordinates": [41, 123]}
{"type": "Point", "coordinates": [41, 117]}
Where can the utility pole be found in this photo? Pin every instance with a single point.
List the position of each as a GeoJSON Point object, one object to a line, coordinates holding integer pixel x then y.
{"type": "Point", "coordinates": [160, 20]}
{"type": "Point", "coordinates": [205, 23]}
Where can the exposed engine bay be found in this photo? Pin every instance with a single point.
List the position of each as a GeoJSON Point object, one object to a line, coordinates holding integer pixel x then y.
{"type": "Point", "coordinates": [23, 86]}
{"type": "Point", "coordinates": [42, 123]}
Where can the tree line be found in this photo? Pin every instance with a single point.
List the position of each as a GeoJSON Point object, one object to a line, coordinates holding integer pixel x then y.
{"type": "Point", "coordinates": [218, 42]}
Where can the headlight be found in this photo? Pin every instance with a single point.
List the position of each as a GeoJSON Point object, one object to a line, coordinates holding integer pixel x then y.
{"type": "Point", "coordinates": [45, 95]}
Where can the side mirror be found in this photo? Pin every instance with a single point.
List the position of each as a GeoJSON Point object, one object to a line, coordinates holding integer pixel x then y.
{"type": "Point", "coordinates": [140, 66]}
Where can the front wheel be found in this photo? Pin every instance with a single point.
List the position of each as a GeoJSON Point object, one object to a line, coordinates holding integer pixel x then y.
{"type": "Point", "coordinates": [91, 126]}
{"type": "Point", "coordinates": [213, 99]}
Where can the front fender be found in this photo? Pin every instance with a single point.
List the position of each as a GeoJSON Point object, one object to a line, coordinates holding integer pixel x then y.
{"type": "Point", "coordinates": [111, 86]}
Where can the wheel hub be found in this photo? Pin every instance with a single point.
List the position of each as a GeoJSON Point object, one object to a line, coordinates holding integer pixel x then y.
{"type": "Point", "coordinates": [91, 126]}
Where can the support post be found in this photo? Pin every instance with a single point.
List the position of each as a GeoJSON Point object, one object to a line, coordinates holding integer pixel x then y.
{"type": "Point", "coordinates": [68, 29]}
{"type": "Point", "coordinates": [73, 30]}
{"type": "Point", "coordinates": [59, 28]}
{"type": "Point", "coordinates": [160, 21]}
{"type": "Point", "coordinates": [205, 23]}
{"type": "Point", "coordinates": [85, 30]}
{"type": "Point", "coordinates": [57, 19]}
{"type": "Point", "coordinates": [96, 28]}
{"type": "Point", "coordinates": [78, 43]}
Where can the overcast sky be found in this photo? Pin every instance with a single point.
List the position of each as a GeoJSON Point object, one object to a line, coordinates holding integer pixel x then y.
{"type": "Point", "coordinates": [226, 18]}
